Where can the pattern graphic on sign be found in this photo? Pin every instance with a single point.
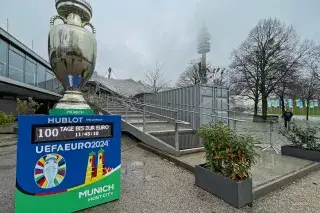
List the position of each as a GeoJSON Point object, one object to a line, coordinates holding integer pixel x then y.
{"type": "Point", "coordinates": [50, 171]}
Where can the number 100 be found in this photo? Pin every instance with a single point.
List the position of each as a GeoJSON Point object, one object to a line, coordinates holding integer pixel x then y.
{"type": "Point", "coordinates": [48, 133]}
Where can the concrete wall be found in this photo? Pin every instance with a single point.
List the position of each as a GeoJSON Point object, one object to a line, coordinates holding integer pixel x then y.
{"type": "Point", "coordinates": [8, 104]}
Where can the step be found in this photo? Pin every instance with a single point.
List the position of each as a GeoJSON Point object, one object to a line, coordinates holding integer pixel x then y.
{"type": "Point", "coordinates": [187, 139]}
{"type": "Point", "coordinates": [113, 104]}
{"type": "Point", "coordinates": [129, 112]}
{"type": "Point", "coordinates": [153, 121]}
{"type": "Point", "coordinates": [159, 127]}
{"type": "Point", "coordinates": [140, 119]}
{"type": "Point", "coordinates": [115, 107]}
{"type": "Point", "coordinates": [136, 116]}
{"type": "Point", "coordinates": [115, 110]}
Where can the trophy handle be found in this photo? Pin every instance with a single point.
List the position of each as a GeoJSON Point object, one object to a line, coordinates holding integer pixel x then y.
{"type": "Point", "coordinates": [90, 25]}
{"type": "Point", "coordinates": [52, 20]}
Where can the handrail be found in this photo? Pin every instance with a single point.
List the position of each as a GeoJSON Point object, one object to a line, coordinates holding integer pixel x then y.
{"type": "Point", "coordinates": [128, 101]}
{"type": "Point", "coordinates": [166, 117]}
{"type": "Point", "coordinates": [193, 106]}
{"type": "Point", "coordinates": [147, 105]}
{"type": "Point", "coordinates": [184, 110]}
{"type": "Point", "coordinates": [134, 104]}
{"type": "Point", "coordinates": [152, 113]}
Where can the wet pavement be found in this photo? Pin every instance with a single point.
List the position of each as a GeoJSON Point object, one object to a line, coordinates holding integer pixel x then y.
{"type": "Point", "coordinates": [269, 166]}
{"type": "Point", "coordinates": [151, 184]}
{"type": "Point", "coordinates": [266, 133]}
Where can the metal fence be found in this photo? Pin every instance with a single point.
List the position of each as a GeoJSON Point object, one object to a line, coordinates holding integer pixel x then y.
{"type": "Point", "coordinates": [266, 134]}
{"type": "Point", "coordinates": [193, 103]}
{"type": "Point", "coordinates": [177, 139]}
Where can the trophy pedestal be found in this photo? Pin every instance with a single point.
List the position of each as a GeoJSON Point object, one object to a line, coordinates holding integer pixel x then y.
{"type": "Point", "coordinates": [72, 103]}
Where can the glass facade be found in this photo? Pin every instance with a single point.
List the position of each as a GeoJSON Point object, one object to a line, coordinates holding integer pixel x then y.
{"type": "Point", "coordinates": [3, 58]}
{"type": "Point", "coordinates": [17, 65]}
{"type": "Point", "coordinates": [41, 76]}
{"type": "Point", "coordinates": [49, 81]}
{"type": "Point", "coordinates": [57, 86]}
{"type": "Point", "coordinates": [31, 72]}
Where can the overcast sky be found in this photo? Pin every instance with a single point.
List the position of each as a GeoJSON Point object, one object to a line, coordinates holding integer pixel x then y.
{"type": "Point", "coordinates": [133, 34]}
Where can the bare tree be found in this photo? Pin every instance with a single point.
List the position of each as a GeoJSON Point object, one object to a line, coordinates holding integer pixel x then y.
{"type": "Point", "coordinates": [313, 61]}
{"type": "Point", "coordinates": [190, 76]}
{"type": "Point", "coordinates": [155, 80]}
{"type": "Point", "coordinates": [309, 87]}
{"type": "Point", "coordinates": [286, 86]}
{"type": "Point", "coordinates": [194, 74]}
{"type": "Point", "coordinates": [262, 55]}
{"type": "Point", "coordinates": [219, 76]}
{"type": "Point", "coordinates": [246, 79]}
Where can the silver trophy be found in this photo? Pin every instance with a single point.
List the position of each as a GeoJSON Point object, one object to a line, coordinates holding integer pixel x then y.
{"type": "Point", "coordinates": [72, 50]}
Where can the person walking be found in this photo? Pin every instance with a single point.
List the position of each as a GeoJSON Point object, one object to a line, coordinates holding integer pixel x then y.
{"type": "Point", "coordinates": [287, 115]}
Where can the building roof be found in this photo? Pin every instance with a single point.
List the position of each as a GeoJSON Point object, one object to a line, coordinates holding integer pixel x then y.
{"type": "Point", "coordinates": [123, 87]}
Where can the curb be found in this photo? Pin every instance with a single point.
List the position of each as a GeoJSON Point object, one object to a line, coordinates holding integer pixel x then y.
{"type": "Point", "coordinates": [13, 131]}
{"type": "Point", "coordinates": [284, 180]}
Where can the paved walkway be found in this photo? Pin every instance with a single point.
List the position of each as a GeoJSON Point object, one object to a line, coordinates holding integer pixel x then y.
{"type": "Point", "coordinates": [269, 166]}
{"type": "Point", "coordinates": [151, 184]}
{"type": "Point", "coordinates": [265, 133]}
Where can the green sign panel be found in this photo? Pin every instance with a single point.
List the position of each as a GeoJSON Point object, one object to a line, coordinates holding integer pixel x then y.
{"type": "Point", "coordinates": [71, 112]}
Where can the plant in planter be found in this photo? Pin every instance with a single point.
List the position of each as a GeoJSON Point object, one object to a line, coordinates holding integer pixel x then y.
{"type": "Point", "coordinates": [304, 141]}
{"type": "Point", "coordinates": [25, 107]}
{"type": "Point", "coordinates": [229, 158]}
{"type": "Point", "coordinates": [6, 120]}
{"type": "Point", "coordinates": [6, 123]}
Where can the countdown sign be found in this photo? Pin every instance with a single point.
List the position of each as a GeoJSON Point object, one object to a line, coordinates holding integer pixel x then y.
{"type": "Point", "coordinates": [67, 163]}
{"type": "Point", "coordinates": [48, 133]}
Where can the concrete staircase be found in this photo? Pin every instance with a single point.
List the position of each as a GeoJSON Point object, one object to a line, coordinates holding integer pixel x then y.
{"type": "Point", "coordinates": [164, 133]}
{"type": "Point", "coordinates": [153, 123]}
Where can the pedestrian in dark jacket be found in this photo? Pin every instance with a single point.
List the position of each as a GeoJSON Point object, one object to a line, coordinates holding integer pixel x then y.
{"type": "Point", "coordinates": [287, 115]}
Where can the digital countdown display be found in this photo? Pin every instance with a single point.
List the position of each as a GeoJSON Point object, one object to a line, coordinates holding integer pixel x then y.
{"type": "Point", "coordinates": [50, 133]}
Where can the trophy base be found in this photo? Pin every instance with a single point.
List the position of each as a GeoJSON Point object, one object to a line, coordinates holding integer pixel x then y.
{"type": "Point", "coordinates": [72, 103]}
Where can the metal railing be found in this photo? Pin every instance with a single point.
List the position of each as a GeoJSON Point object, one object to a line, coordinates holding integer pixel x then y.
{"type": "Point", "coordinates": [266, 133]}
{"type": "Point", "coordinates": [115, 103]}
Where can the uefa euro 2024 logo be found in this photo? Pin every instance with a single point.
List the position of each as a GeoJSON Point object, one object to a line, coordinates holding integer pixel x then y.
{"type": "Point", "coordinates": [50, 171]}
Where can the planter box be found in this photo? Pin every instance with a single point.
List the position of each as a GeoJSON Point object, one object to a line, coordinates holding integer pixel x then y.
{"type": "Point", "coordinates": [260, 118]}
{"type": "Point", "coordinates": [238, 194]}
{"type": "Point", "coordinates": [300, 153]}
{"type": "Point", "coordinates": [10, 129]}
